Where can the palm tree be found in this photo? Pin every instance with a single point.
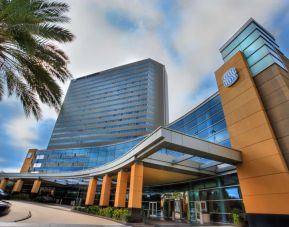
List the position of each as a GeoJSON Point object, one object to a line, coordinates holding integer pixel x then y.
{"type": "Point", "coordinates": [31, 65]}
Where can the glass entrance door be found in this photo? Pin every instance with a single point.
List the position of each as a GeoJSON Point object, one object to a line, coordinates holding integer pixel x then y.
{"type": "Point", "coordinates": [153, 208]}
{"type": "Point", "coordinates": [198, 212]}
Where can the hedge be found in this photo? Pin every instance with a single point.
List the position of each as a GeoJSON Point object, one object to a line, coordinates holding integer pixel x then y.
{"type": "Point", "coordinates": [117, 214]}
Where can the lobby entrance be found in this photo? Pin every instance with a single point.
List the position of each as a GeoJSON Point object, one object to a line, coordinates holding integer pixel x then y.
{"type": "Point", "coordinates": [153, 209]}
{"type": "Point", "coordinates": [173, 209]}
{"type": "Point", "coordinates": [211, 200]}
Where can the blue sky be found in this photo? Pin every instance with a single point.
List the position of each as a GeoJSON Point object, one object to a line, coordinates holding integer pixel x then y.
{"type": "Point", "coordinates": [184, 35]}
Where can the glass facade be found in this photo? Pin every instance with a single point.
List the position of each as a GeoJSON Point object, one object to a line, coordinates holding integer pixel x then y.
{"type": "Point", "coordinates": [111, 106]}
{"type": "Point", "coordinates": [74, 159]}
{"type": "Point", "coordinates": [221, 195]}
{"type": "Point", "coordinates": [206, 121]}
{"type": "Point", "coordinates": [104, 115]}
{"type": "Point", "coordinates": [258, 46]}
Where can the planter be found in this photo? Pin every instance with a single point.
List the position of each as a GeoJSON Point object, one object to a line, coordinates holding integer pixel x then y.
{"type": "Point", "coordinates": [108, 218]}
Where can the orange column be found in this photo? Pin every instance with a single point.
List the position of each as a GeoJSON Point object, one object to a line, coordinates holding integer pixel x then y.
{"type": "Point", "coordinates": [31, 155]}
{"type": "Point", "coordinates": [120, 192]}
{"type": "Point", "coordinates": [36, 186]}
{"type": "Point", "coordinates": [263, 174]}
{"type": "Point", "coordinates": [3, 183]}
{"type": "Point", "coordinates": [136, 185]}
{"type": "Point", "coordinates": [105, 191]}
{"type": "Point", "coordinates": [91, 190]}
{"type": "Point", "coordinates": [17, 186]}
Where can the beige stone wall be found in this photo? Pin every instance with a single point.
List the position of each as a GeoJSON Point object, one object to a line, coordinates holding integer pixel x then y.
{"type": "Point", "coordinates": [263, 175]}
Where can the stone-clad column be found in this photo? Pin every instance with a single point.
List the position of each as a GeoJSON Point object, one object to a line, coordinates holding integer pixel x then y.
{"type": "Point", "coordinates": [120, 192]}
{"type": "Point", "coordinates": [3, 183]}
{"type": "Point", "coordinates": [91, 190]}
{"type": "Point", "coordinates": [135, 190]}
{"type": "Point", "coordinates": [36, 186]}
{"type": "Point", "coordinates": [105, 191]}
{"type": "Point", "coordinates": [18, 186]}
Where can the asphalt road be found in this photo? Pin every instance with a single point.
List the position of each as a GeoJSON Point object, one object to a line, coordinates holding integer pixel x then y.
{"type": "Point", "coordinates": [51, 214]}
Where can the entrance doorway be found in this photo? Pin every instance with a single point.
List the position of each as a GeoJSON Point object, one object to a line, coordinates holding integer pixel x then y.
{"type": "Point", "coordinates": [174, 206]}
{"type": "Point", "coordinates": [169, 209]}
{"type": "Point", "coordinates": [198, 212]}
{"type": "Point", "coordinates": [153, 209]}
{"type": "Point", "coordinates": [201, 215]}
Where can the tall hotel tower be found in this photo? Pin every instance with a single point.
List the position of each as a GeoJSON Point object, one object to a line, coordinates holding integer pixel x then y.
{"type": "Point", "coordinates": [104, 114]}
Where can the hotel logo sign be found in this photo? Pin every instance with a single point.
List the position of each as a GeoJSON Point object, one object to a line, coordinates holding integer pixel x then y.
{"type": "Point", "coordinates": [230, 77]}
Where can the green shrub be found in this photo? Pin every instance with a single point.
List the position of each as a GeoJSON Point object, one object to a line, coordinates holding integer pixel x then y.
{"type": "Point", "coordinates": [106, 212]}
{"type": "Point", "coordinates": [117, 214]}
{"type": "Point", "coordinates": [120, 214]}
{"type": "Point", "coordinates": [93, 209]}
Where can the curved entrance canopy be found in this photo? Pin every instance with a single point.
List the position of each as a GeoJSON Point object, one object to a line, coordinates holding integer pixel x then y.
{"type": "Point", "coordinates": [194, 157]}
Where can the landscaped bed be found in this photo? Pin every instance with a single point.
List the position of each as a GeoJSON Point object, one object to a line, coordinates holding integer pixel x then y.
{"type": "Point", "coordinates": [118, 214]}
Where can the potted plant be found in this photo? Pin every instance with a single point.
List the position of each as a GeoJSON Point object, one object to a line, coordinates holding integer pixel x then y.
{"type": "Point", "coordinates": [236, 216]}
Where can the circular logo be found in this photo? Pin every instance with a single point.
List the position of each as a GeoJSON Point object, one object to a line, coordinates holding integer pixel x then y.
{"type": "Point", "coordinates": [230, 77]}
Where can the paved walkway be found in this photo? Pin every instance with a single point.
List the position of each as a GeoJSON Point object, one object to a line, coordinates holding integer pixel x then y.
{"type": "Point", "coordinates": [50, 216]}
{"type": "Point", "coordinates": [46, 215]}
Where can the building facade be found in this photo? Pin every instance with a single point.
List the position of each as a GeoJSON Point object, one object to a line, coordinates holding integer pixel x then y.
{"type": "Point", "coordinates": [104, 115]}
{"type": "Point", "coordinates": [256, 112]}
{"type": "Point", "coordinates": [112, 106]}
{"type": "Point", "coordinates": [230, 154]}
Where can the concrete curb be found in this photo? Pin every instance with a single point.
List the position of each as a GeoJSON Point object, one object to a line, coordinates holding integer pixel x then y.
{"type": "Point", "coordinates": [25, 218]}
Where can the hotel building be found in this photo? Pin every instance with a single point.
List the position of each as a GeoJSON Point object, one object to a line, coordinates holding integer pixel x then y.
{"type": "Point", "coordinates": [230, 153]}
{"type": "Point", "coordinates": [104, 115]}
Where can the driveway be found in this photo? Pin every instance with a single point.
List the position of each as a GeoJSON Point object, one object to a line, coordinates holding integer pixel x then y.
{"type": "Point", "coordinates": [50, 214]}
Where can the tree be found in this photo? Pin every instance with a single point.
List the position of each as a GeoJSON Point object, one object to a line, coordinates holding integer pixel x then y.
{"type": "Point", "coordinates": [31, 65]}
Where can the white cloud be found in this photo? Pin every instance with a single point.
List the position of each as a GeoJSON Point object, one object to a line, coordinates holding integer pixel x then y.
{"type": "Point", "coordinates": [10, 170]}
{"type": "Point", "coordinates": [203, 28]}
{"type": "Point", "coordinates": [21, 130]}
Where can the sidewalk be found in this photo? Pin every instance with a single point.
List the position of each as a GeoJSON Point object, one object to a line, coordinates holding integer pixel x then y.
{"type": "Point", "coordinates": [50, 215]}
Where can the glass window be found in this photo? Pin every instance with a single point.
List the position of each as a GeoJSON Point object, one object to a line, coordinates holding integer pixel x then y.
{"type": "Point", "coordinates": [232, 193]}
{"type": "Point", "coordinates": [29, 155]}
{"type": "Point", "coordinates": [40, 157]}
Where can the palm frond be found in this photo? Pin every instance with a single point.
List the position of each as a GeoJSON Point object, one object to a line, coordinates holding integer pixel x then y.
{"type": "Point", "coordinates": [24, 93]}
{"type": "Point", "coordinates": [29, 64]}
{"type": "Point", "coordinates": [54, 32]}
